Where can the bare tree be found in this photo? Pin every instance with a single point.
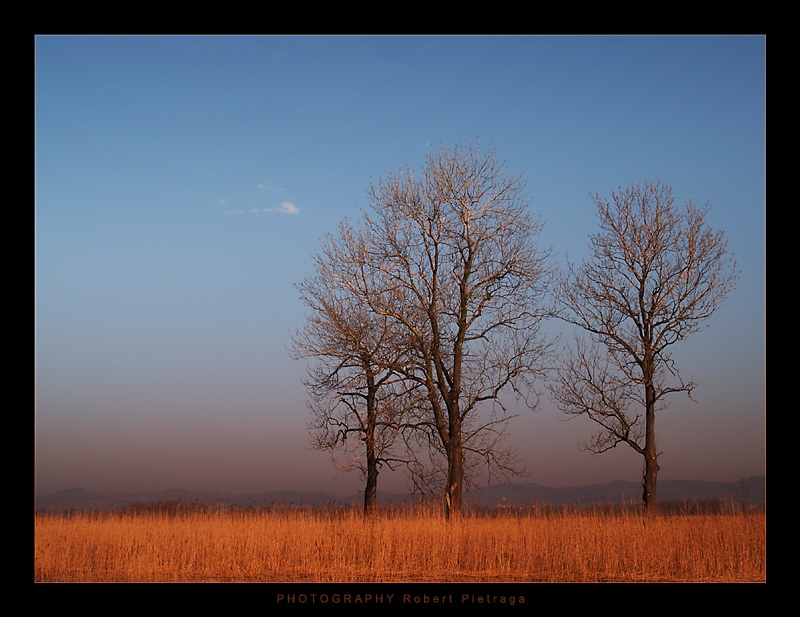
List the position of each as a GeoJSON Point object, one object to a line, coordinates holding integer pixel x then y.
{"type": "Point", "coordinates": [655, 275]}
{"type": "Point", "coordinates": [463, 278]}
{"type": "Point", "coordinates": [354, 383]}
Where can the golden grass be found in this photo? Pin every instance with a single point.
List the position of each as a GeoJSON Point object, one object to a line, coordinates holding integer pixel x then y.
{"type": "Point", "coordinates": [411, 545]}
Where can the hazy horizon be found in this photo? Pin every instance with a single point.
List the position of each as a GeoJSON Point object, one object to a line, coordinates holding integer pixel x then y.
{"type": "Point", "coordinates": [183, 182]}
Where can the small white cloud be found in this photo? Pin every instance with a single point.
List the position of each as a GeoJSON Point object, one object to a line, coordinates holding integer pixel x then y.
{"type": "Point", "coordinates": [288, 208]}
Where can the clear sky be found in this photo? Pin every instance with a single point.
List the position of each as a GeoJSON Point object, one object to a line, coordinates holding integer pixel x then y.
{"type": "Point", "coordinates": [183, 182]}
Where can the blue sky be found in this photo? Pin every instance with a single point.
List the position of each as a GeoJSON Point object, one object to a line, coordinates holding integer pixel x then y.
{"type": "Point", "coordinates": [183, 182]}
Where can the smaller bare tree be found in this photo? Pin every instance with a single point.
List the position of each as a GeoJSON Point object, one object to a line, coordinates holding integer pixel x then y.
{"type": "Point", "coordinates": [656, 274]}
{"type": "Point", "coordinates": [355, 386]}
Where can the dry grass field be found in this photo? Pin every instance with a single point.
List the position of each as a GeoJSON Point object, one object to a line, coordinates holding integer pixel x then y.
{"type": "Point", "coordinates": [399, 545]}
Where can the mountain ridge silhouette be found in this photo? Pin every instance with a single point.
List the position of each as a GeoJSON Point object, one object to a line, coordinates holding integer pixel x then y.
{"type": "Point", "coordinates": [750, 490]}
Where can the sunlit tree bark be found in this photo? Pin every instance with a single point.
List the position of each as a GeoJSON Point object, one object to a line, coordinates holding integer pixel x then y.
{"type": "Point", "coordinates": [656, 274]}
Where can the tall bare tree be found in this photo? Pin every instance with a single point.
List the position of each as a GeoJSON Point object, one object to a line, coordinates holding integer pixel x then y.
{"type": "Point", "coordinates": [656, 274]}
{"type": "Point", "coordinates": [464, 279]}
{"type": "Point", "coordinates": [354, 382]}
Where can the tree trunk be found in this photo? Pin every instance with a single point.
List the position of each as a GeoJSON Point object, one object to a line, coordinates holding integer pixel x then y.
{"type": "Point", "coordinates": [371, 488]}
{"type": "Point", "coordinates": [455, 473]}
{"type": "Point", "coordinates": [650, 453]}
{"type": "Point", "coordinates": [649, 482]}
{"type": "Point", "coordinates": [453, 493]}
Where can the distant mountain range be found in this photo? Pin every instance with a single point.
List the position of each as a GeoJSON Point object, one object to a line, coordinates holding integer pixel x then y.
{"type": "Point", "coordinates": [750, 490]}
